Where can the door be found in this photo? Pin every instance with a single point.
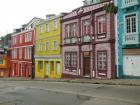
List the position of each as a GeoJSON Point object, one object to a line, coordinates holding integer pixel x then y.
{"type": "Point", "coordinates": [58, 68]}
{"type": "Point", "coordinates": [47, 69]}
{"type": "Point", "coordinates": [86, 63]}
{"type": "Point", "coordinates": [131, 65]}
{"type": "Point", "coordinates": [21, 71]}
{"type": "Point", "coordinates": [127, 67]}
{"type": "Point", "coordinates": [13, 70]}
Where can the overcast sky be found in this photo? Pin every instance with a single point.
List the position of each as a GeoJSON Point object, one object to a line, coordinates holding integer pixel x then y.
{"type": "Point", "coordinates": [14, 13]}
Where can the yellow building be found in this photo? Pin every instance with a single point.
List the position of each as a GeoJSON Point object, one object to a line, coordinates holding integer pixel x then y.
{"type": "Point", "coordinates": [48, 62]}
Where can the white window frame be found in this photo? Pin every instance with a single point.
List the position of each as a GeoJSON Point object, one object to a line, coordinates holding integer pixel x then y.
{"type": "Point", "coordinates": [28, 52]}
{"type": "Point", "coordinates": [125, 26]}
{"type": "Point", "coordinates": [47, 46]}
{"type": "Point", "coordinates": [102, 60]}
{"type": "Point", "coordinates": [40, 65]}
{"type": "Point", "coordinates": [15, 53]}
{"type": "Point", "coordinates": [86, 24]}
{"type": "Point", "coordinates": [20, 38]}
{"type": "Point", "coordinates": [47, 27]}
{"type": "Point", "coordinates": [55, 24]}
{"type": "Point", "coordinates": [74, 29]}
{"type": "Point", "coordinates": [40, 46]}
{"type": "Point", "coordinates": [54, 44]}
{"type": "Point", "coordinates": [67, 30]}
{"type": "Point", "coordinates": [20, 53]}
{"type": "Point", "coordinates": [100, 20]}
{"type": "Point", "coordinates": [25, 49]}
{"type": "Point", "coordinates": [28, 37]}
{"type": "Point", "coordinates": [14, 40]}
{"type": "Point", "coordinates": [40, 28]}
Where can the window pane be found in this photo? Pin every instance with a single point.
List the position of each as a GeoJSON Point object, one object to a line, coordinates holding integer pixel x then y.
{"type": "Point", "coordinates": [102, 59]}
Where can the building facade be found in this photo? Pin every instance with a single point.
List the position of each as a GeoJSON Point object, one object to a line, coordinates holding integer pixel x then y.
{"type": "Point", "coordinates": [5, 55]}
{"type": "Point", "coordinates": [5, 64]}
{"type": "Point", "coordinates": [22, 50]}
{"type": "Point", "coordinates": [48, 62]}
{"type": "Point", "coordinates": [21, 53]}
{"type": "Point", "coordinates": [88, 41]}
{"type": "Point", "coordinates": [128, 38]}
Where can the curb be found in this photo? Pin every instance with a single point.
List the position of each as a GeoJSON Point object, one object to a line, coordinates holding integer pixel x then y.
{"type": "Point", "coordinates": [125, 82]}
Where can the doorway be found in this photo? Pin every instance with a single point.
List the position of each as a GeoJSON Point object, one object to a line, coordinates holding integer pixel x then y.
{"type": "Point", "coordinates": [47, 69]}
{"type": "Point", "coordinates": [86, 64]}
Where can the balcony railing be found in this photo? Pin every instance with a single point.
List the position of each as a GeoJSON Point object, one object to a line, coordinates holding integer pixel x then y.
{"type": "Point", "coordinates": [86, 38]}
{"type": "Point", "coordinates": [71, 40]}
{"type": "Point", "coordinates": [128, 3]}
{"type": "Point", "coordinates": [131, 39]}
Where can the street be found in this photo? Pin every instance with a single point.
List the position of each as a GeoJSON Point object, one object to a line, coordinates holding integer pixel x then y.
{"type": "Point", "coordinates": [63, 93]}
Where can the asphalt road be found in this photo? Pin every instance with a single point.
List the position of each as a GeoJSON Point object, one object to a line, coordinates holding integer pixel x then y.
{"type": "Point", "coordinates": [61, 93]}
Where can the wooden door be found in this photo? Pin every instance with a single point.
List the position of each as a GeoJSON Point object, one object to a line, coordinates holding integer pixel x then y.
{"type": "Point", "coordinates": [86, 63]}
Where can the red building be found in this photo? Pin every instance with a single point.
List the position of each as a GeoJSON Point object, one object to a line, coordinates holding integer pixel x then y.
{"type": "Point", "coordinates": [22, 49]}
{"type": "Point", "coordinates": [21, 57]}
{"type": "Point", "coordinates": [88, 41]}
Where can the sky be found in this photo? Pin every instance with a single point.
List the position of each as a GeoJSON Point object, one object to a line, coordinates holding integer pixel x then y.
{"type": "Point", "coordinates": [14, 13]}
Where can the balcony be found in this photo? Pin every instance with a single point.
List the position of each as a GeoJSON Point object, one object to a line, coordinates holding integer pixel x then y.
{"type": "Point", "coordinates": [129, 3]}
{"type": "Point", "coordinates": [131, 39]}
{"type": "Point", "coordinates": [86, 38]}
{"type": "Point", "coordinates": [71, 40]}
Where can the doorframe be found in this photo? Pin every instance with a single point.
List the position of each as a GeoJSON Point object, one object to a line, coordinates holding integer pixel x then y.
{"type": "Point", "coordinates": [89, 62]}
{"type": "Point", "coordinates": [47, 71]}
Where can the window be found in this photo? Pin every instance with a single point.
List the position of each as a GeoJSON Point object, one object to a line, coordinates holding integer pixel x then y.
{"type": "Point", "coordinates": [40, 65]}
{"type": "Point", "coordinates": [20, 53]}
{"type": "Point", "coordinates": [40, 47]}
{"type": "Point", "coordinates": [73, 29]}
{"type": "Point", "coordinates": [14, 40]}
{"type": "Point", "coordinates": [40, 28]}
{"type": "Point", "coordinates": [67, 31]}
{"type": "Point", "coordinates": [47, 27]}
{"type": "Point", "coordinates": [14, 53]}
{"type": "Point", "coordinates": [28, 37]}
{"type": "Point", "coordinates": [102, 25]}
{"type": "Point", "coordinates": [71, 59]}
{"type": "Point", "coordinates": [127, 2]}
{"type": "Point", "coordinates": [70, 30]}
{"type": "Point", "coordinates": [55, 24]}
{"type": "Point", "coordinates": [102, 60]}
{"type": "Point", "coordinates": [28, 53]}
{"type": "Point", "coordinates": [20, 38]}
{"type": "Point", "coordinates": [52, 67]}
{"type": "Point", "coordinates": [86, 27]}
{"type": "Point", "coordinates": [54, 45]}
{"type": "Point", "coordinates": [47, 46]}
{"type": "Point", "coordinates": [1, 60]}
{"type": "Point", "coordinates": [130, 24]}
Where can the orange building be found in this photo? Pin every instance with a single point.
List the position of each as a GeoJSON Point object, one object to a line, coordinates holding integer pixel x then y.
{"type": "Point", "coordinates": [5, 65]}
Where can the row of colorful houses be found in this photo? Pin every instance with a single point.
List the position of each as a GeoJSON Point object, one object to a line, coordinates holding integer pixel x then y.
{"type": "Point", "coordinates": [97, 40]}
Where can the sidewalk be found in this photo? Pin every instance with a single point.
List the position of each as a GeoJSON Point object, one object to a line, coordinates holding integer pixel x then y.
{"type": "Point", "coordinates": [128, 82]}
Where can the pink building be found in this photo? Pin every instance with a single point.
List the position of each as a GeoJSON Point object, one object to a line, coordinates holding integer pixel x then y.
{"type": "Point", "coordinates": [88, 42]}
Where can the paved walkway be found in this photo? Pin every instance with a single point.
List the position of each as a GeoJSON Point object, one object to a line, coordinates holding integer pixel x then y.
{"type": "Point", "coordinates": [129, 82]}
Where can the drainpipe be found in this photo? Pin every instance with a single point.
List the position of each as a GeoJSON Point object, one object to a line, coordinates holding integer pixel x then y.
{"type": "Point", "coordinates": [116, 43]}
